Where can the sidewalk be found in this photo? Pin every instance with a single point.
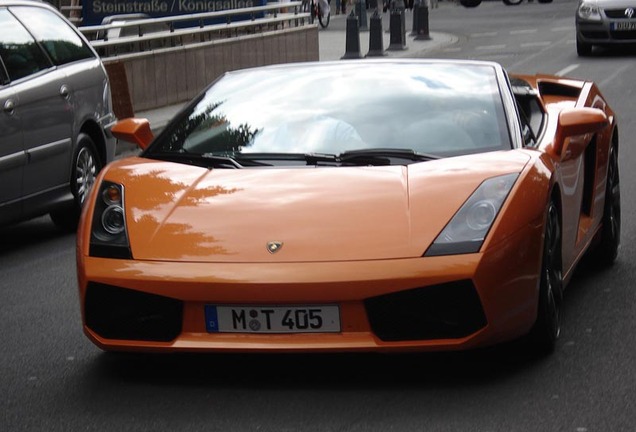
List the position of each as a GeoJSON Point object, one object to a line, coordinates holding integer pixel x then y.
{"type": "Point", "coordinates": [332, 46]}
{"type": "Point", "coordinates": [333, 43]}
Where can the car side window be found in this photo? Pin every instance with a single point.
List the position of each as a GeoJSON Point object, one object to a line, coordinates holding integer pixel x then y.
{"type": "Point", "coordinates": [20, 53]}
{"type": "Point", "coordinates": [60, 41]}
{"type": "Point", "coordinates": [531, 113]}
{"type": "Point", "coordinates": [4, 78]}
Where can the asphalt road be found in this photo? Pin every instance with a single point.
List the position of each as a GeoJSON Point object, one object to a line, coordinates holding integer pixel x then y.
{"type": "Point", "coordinates": [53, 379]}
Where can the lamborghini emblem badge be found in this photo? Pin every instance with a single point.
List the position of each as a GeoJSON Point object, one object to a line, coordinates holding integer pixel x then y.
{"type": "Point", "coordinates": [274, 246]}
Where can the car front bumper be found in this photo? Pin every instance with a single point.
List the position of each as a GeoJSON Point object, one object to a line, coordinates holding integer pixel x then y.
{"type": "Point", "coordinates": [426, 304]}
{"type": "Point", "coordinates": [602, 33]}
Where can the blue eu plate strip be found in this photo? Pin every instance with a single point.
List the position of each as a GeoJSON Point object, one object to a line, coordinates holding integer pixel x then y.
{"type": "Point", "coordinates": [211, 319]}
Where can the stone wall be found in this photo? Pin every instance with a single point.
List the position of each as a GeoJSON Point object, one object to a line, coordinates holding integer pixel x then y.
{"type": "Point", "coordinates": [154, 79]}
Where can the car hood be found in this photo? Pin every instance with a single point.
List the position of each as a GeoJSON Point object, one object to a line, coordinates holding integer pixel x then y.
{"type": "Point", "coordinates": [611, 4]}
{"type": "Point", "coordinates": [177, 212]}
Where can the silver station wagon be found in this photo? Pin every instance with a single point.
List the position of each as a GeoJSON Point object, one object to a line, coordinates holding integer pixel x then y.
{"type": "Point", "coordinates": [56, 111]}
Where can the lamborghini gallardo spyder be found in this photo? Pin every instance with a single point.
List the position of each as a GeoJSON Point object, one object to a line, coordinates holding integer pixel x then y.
{"type": "Point", "coordinates": [374, 205]}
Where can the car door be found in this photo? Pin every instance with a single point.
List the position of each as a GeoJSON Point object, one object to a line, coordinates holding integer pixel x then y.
{"type": "Point", "coordinates": [12, 155]}
{"type": "Point", "coordinates": [44, 107]}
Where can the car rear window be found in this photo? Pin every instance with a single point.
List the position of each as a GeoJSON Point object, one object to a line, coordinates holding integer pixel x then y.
{"type": "Point", "coordinates": [58, 38]}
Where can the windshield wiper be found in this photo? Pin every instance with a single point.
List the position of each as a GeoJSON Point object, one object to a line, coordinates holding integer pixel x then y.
{"type": "Point", "coordinates": [205, 160]}
{"type": "Point", "coordinates": [308, 158]}
{"type": "Point", "coordinates": [382, 156]}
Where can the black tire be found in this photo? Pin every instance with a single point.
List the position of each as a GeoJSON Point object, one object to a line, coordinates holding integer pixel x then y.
{"type": "Point", "coordinates": [324, 21]}
{"type": "Point", "coordinates": [545, 1]}
{"type": "Point", "coordinates": [470, 3]}
{"type": "Point", "coordinates": [86, 165]}
{"type": "Point", "coordinates": [512, 2]}
{"type": "Point", "coordinates": [583, 49]}
{"type": "Point", "coordinates": [547, 327]}
{"type": "Point", "coordinates": [606, 252]}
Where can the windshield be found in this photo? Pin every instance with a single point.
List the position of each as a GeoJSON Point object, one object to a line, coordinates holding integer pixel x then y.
{"type": "Point", "coordinates": [431, 109]}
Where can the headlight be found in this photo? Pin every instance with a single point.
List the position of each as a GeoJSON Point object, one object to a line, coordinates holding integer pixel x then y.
{"type": "Point", "coordinates": [109, 238]}
{"type": "Point", "coordinates": [589, 12]}
{"type": "Point", "coordinates": [467, 230]}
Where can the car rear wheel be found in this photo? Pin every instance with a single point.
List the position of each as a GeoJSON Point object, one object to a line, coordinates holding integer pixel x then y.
{"type": "Point", "coordinates": [545, 1]}
{"type": "Point", "coordinates": [583, 49]}
{"type": "Point", "coordinates": [470, 3]}
{"type": "Point", "coordinates": [547, 328]}
{"type": "Point", "coordinates": [606, 251]}
{"type": "Point", "coordinates": [512, 2]}
{"type": "Point", "coordinates": [86, 165]}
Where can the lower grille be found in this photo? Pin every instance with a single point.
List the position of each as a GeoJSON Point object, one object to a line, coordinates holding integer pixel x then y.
{"type": "Point", "coordinates": [446, 311]}
{"type": "Point", "coordinates": [624, 35]}
{"type": "Point", "coordinates": [118, 313]}
{"type": "Point", "coordinates": [595, 34]}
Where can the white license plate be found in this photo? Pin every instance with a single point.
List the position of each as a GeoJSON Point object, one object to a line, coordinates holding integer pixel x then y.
{"type": "Point", "coordinates": [624, 26]}
{"type": "Point", "coordinates": [272, 319]}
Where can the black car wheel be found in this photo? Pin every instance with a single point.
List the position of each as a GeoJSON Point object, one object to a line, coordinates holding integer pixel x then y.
{"type": "Point", "coordinates": [547, 328]}
{"type": "Point", "coordinates": [470, 3]}
{"type": "Point", "coordinates": [583, 49]}
{"type": "Point", "coordinates": [606, 251]}
{"type": "Point", "coordinates": [86, 165]}
{"type": "Point", "coordinates": [512, 2]}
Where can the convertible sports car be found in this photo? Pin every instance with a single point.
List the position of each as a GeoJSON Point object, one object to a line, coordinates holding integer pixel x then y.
{"type": "Point", "coordinates": [374, 205]}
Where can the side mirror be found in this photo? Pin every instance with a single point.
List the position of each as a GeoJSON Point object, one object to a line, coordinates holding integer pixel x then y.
{"type": "Point", "coordinates": [573, 124]}
{"type": "Point", "coordinates": [134, 130]}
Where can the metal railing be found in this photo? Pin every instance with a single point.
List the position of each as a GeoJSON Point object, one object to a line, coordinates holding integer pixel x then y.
{"type": "Point", "coordinates": [189, 29]}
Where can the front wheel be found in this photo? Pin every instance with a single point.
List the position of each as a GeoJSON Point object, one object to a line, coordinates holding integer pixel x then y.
{"type": "Point", "coordinates": [606, 252]}
{"type": "Point", "coordinates": [324, 20]}
{"type": "Point", "coordinates": [512, 2]}
{"type": "Point", "coordinates": [86, 165]}
{"type": "Point", "coordinates": [583, 49]}
{"type": "Point", "coordinates": [470, 3]}
{"type": "Point", "coordinates": [547, 328]}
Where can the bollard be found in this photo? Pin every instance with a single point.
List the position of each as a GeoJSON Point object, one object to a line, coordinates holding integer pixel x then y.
{"type": "Point", "coordinates": [352, 43]}
{"type": "Point", "coordinates": [416, 6]}
{"type": "Point", "coordinates": [376, 39]}
{"type": "Point", "coordinates": [397, 28]}
{"type": "Point", "coordinates": [361, 10]}
{"type": "Point", "coordinates": [421, 31]}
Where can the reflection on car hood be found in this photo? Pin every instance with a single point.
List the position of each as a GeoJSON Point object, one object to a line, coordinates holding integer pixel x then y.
{"type": "Point", "coordinates": [178, 212]}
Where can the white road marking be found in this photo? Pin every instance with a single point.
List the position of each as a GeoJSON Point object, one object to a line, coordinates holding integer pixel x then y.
{"type": "Point", "coordinates": [535, 44]}
{"type": "Point", "coordinates": [567, 70]}
{"type": "Point", "coordinates": [526, 31]}
{"type": "Point", "coordinates": [487, 34]}
{"type": "Point", "coordinates": [613, 76]}
{"type": "Point", "coordinates": [491, 47]}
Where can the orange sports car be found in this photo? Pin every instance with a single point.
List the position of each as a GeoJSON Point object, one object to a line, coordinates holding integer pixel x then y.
{"type": "Point", "coordinates": [374, 205]}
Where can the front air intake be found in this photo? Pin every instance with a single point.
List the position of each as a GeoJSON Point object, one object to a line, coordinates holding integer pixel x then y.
{"type": "Point", "coordinates": [124, 314]}
{"type": "Point", "coordinates": [448, 311]}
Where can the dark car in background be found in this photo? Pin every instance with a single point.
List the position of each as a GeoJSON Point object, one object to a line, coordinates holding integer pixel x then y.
{"type": "Point", "coordinates": [604, 23]}
{"type": "Point", "coordinates": [56, 111]}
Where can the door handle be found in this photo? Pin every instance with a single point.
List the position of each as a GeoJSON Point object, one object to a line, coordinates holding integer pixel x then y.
{"type": "Point", "coordinates": [9, 106]}
{"type": "Point", "coordinates": [64, 91]}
